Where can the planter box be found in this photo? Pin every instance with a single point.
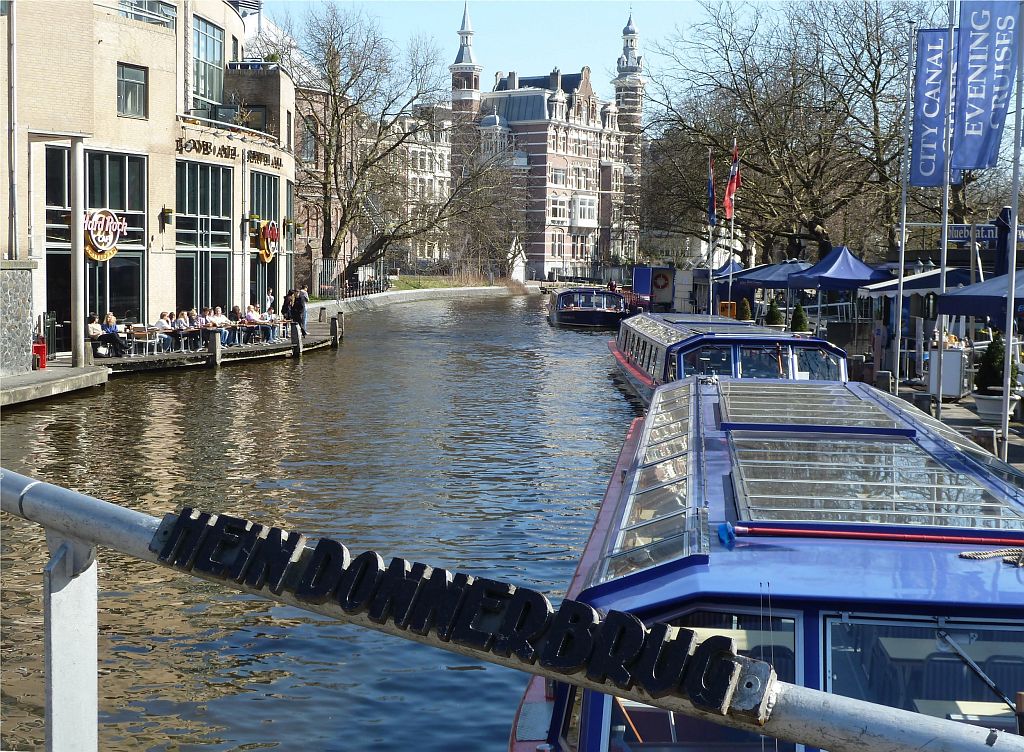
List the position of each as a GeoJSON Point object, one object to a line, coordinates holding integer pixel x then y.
{"type": "Point", "coordinates": [989, 407]}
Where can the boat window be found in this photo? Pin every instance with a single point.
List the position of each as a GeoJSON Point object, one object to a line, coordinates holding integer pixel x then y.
{"type": "Point", "coordinates": [915, 665]}
{"type": "Point", "coordinates": [661, 473]}
{"type": "Point", "coordinates": [570, 731]}
{"type": "Point", "coordinates": [817, 364]}
{"type": "Point", "coordinates": [585, 300]}
{"type": "Point", "coordinates": [708, 360]}
{"type": "Point", "coordinates": [763, 362]}
{"type": "Point", "coordinates": [632, 725]}
{"type": "Point", "coordinates": [655, 369]}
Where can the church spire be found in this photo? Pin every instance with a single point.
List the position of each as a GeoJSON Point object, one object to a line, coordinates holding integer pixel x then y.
{"type": "Point", "coordinates": [465, 70]}
{"type": "Point", "coordinates": [465, 55]}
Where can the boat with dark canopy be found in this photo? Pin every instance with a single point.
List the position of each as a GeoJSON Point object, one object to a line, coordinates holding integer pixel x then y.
{"type": "Point", "coordinates": [658, 348]}
{"type": "Point", "coordinates": [587, 307]}
{"type": "Point", "coordinates": [859, 545]}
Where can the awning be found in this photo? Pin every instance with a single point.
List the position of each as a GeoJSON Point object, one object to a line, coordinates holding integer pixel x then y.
{"type": "Point", "coordinates": [986, 298]}
{"type": "Point", "coordinates": [918, 284]}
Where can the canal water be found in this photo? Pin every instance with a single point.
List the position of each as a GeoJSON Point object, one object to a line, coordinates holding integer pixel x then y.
{"type": "Point", "coordinates": [464, 434]}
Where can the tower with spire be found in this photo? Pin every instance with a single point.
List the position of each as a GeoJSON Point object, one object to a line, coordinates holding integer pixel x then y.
{"type": "Point", "coordinates": [629, 98]}
{"type": "Point", "coordinates": [465, 71]}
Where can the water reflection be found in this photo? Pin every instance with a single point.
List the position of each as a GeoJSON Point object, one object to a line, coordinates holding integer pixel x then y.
{"type": "Point", "coordinates": [466, 434]}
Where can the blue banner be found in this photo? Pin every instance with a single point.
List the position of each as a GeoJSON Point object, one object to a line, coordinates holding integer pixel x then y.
{"type": "Point", "coordinates": [986, 65]}
{"type": "Point", "coordinates": [931, 102]}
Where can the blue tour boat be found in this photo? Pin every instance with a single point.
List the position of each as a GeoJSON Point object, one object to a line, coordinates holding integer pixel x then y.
{"type": "Point", "coordinates": [658, 348]}
{"type": "Point", "coordinates": [859, 545]}
{"type": "Point", "coordinates": [587, 307]}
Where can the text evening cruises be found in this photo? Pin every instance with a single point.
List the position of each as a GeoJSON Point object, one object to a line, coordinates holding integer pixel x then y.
{"type": "Point", "coordinates": [857, 544]}
{"type": "Point", "coordinates": [596, 307]}
{"type": "Point", "coordinates": [658, 348]}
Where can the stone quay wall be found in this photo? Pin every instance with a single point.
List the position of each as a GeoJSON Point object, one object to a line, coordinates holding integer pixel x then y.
{"type": "Point", "coordinates": [16, 324]}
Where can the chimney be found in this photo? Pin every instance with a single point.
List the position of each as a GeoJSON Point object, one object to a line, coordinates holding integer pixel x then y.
{"type": "Point", "coordinates": [555, 80]}
{"type": "Point", "coordinates": [497, 79]}
{"type": "Point", "coordinates": [513, 80]}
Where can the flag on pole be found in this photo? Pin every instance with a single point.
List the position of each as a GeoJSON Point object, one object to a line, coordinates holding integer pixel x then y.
{"type": "Point", "coordinates": [712, 216]}
{"type": "Point", "coordinates": [986, 66]}
{"type": "Point", "coordinates": [734, 182]}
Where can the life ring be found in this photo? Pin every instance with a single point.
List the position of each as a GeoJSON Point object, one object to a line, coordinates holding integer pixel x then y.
{"type": "Point", "coordinates": [661, 280]}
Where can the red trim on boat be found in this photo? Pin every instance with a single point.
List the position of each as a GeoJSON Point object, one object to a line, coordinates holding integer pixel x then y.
{"type": "Point", "coordinates": [641, 375]}
{"type": "Point", "coordinates": [865, 535]}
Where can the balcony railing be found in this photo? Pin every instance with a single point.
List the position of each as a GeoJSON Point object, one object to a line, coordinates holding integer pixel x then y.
{"type": "Point", "coordinates": [155, 12]}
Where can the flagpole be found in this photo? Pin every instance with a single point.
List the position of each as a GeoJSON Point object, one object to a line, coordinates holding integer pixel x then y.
{"type": "Point", "coordinates": [1011, 267]}
{"type": "Point", "coordinates": [905, 176]}
{"type": "Point", "coordinates": [711, 233]}
{"type": "Point", "coordinates": [711, 261]}
{"type": "Point", "coordinates": [948, 145]}
{"type": "Point", "coordinates": [732, 213]}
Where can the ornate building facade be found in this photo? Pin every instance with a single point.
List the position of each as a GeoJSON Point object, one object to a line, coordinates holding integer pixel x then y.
{"type": "Point", "coordinates": [582, 154]}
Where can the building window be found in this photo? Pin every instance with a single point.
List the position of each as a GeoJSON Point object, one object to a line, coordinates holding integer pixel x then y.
{"type": "Point", "coordinates": [557, 176]}
{"type": "Point", "coordinates": [263, 196]}
{"type": "Point", "coordinates": [203, 205]}
{"type": "Point", "coordinates": [132, 94]}
{"type": "Point", "coordinates": [557, 244]}
{"type": "Point", "coordinates": [559, 209]}
{"type": "Point", "coordinates": [234, 49]}
{"type": "Point", "coordinates": [207, 64]}
{"type": "Point", "coordinates": [288, 120]}
{"type": "Point", "coordinates": [309, 141]}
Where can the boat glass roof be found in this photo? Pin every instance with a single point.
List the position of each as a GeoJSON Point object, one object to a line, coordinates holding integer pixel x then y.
{"type": "Point", "coordinates": [800, 403]}
{"type": "Point", "coordinates": [858, 479]}
{"type": "Point", "coordinates": [1003, 470]}
{"type": "Point", "coordinates": [658, 521]}
{"type": "Point", "coordinates": [819, 453]}
{"type": "Point", "coordinates": [669, 331]}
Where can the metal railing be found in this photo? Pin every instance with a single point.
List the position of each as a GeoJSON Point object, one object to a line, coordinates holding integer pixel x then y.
{"type": "Point", "coordinates": [415, 602]}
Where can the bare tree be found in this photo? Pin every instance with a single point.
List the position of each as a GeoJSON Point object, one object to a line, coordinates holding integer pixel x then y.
{"type": "Point", "coordinates": [814, 92]}
{"type": "Point", "coordinates": [364, 101]}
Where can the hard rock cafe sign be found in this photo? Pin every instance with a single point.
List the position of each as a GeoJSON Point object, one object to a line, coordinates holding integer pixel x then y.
{"type": "Point", "coordinates": [103, 229]}
{"type": "Point", "coordinates": [269, 237]}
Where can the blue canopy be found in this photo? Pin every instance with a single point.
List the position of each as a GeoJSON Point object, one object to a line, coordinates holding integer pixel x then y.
{"type": "Point", "coordinates": [732, 266]}
{"type": "Point", "coordinates": [771, 276]}
{"type": "Point", "coordinates": [986, 298]}
{"type": "Point", "coordinates": [839, 270]}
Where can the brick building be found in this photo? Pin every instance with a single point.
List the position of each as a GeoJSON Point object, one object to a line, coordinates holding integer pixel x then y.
{"type": "Point", "coordinates": [583, 154]}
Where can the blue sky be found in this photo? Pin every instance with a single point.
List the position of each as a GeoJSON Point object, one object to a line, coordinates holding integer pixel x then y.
{"type": "Point", "coordinates": [527, 36]}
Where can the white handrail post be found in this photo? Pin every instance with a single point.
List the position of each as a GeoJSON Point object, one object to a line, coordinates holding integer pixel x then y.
{"type": "Point", "coordinates": [70, 645]}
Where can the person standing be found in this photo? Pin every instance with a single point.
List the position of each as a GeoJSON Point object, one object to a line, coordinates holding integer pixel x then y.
{"type": "Point", "coordinates": [303, 294]}
{"type": "Point", "coordinates": [299, 311]}
{"type": "Point", "coordinates": [269, 300]}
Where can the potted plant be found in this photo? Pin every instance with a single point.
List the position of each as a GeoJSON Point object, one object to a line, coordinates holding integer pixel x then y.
{"type": "Point", "coordinates": [773, 319]}
{"type": "Point", "coordinates": [799, 322]}
{"type": "Point", "coordinates": [988, 383]}
{"type": "Point", "coordinates": [745, 314]}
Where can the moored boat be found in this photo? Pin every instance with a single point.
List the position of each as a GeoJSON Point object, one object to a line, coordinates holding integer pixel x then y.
{"type": "Point", "coordinates": [587, 307]}
{"type": "Point", "coordinates": [658, 348]}
{"type": "Point", "coordinates": [860, 546]}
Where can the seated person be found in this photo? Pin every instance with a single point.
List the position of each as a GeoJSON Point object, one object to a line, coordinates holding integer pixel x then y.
{"type": "Point", "coordinates": [163, 325]}
{"type": "Point", "coordinates": [223, 324]}
{"type": "Point", "coordinates": [110, 336]}
{"type": "Point", "coordinates": [93, 330]}
{"type": "Point", "coordinates": [253, 319]}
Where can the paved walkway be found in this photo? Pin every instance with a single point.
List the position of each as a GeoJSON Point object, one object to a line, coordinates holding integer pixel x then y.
{"type": "Point", "coordinates": [57, 378]}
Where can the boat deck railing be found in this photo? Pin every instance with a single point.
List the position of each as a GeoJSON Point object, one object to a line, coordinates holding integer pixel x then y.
{"type": "Point", "coordinates": [488, 620]}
